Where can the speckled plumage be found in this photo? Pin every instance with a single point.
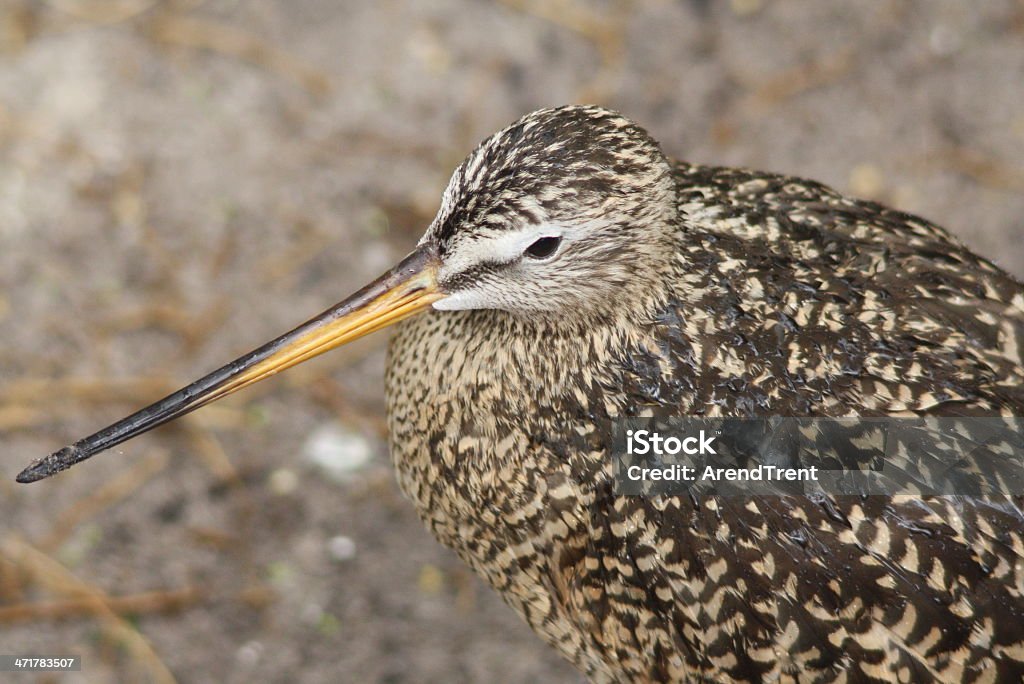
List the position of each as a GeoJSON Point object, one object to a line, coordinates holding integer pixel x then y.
{"type": "Point", "coordinates": [718, 292]}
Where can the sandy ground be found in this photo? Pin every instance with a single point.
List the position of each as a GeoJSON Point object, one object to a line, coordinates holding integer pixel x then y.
{"type": "Point", "coordinates": [181, 181]}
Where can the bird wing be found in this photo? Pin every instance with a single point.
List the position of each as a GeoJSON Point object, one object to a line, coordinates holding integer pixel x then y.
{"type": "Point", "coordinates": [750, 589]}
{"type": "Point", "coordinates": [795, 295]}
{"type": "Point", "coordinates": [795, 300]}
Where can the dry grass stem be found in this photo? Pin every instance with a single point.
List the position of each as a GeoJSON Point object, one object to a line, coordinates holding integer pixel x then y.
{"type": "Point", "coordinates": [52, 576]}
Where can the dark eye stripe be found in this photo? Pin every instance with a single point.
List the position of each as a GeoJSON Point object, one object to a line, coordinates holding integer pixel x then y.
{"type": "Point", "coordinates": [471, 275]}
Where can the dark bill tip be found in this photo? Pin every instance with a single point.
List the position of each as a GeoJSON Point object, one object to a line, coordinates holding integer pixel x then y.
{"type": "Point", "coordinates": [52, 464]}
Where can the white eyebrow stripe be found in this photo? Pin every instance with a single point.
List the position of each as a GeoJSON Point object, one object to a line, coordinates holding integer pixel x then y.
{"type": "Point", "coordinates": [499, 247]}
{"type": "Point", "coordinates": [512, 245]}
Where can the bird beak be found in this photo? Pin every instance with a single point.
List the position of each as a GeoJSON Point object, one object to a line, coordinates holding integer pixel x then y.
{"type": "Point", "coordinates": [409, 287]}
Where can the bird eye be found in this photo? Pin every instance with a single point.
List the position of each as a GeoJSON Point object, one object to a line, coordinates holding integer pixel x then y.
{"type": "Point", "coordinates": [543, 248]}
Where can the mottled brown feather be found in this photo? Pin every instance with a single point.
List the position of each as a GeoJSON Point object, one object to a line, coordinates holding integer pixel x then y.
{"type": "Point", "coordinates": [780, 297]}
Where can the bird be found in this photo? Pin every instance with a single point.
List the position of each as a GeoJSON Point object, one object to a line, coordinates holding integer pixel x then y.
{"type": "Point", "coordinates": [575, 276]}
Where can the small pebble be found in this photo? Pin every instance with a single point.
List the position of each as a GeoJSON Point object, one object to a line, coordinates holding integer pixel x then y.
{"type": "Point", "coordinates": [341, 548]}
{"type": "Point", "coordinates": [283, 481]}
{"type": "Point", "coordinates": [339, 452]}
{"type": "Point", "coordinates": [249, 654]}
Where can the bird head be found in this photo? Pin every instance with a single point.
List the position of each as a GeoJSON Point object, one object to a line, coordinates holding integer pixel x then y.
{"type": "Point", "coordinates": [559, 216]}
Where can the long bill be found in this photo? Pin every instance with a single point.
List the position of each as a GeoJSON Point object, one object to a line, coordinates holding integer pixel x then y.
{"type": "Point", "coordinates": [409, 287]}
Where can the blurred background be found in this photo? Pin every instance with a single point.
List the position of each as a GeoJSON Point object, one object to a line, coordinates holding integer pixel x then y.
{"type": "Point", "coordinates": [180, 181]}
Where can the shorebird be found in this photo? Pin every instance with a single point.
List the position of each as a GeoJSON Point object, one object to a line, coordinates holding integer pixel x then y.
{"type": "Point", "coordinates": [573, 276]}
